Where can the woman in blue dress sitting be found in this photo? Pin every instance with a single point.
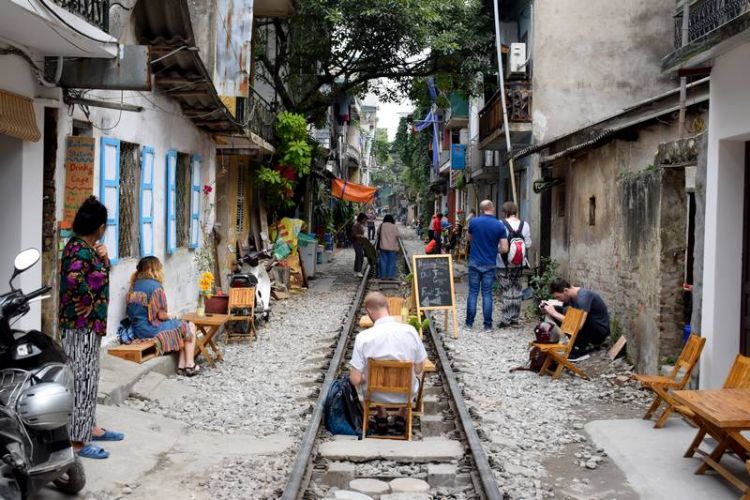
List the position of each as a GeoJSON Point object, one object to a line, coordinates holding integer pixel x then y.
{"type": "Point", "coordinates": [147, 310]}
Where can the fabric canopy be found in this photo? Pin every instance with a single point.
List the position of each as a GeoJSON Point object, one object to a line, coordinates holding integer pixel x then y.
{"type": "Point", "coordinates": [349, 191]}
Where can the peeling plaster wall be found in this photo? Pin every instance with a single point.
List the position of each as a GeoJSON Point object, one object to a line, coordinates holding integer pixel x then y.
{"type": "Point", "coordinates": [634, 253]}
{"type": "Point", "coordinates": [594, 58]}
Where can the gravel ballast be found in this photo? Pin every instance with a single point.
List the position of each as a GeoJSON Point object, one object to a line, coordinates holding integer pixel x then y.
{"type": "Point", "coordinates": [269, 386]}
{"type": "Point", "coordinates": [522, 418]}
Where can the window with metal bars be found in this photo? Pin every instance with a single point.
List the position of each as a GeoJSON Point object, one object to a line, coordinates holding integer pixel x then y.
{"type": "Point", "coordinates": [241, 214]}
{"type": "Point", "coordinates": [130, 180]}
{"type": "Point", "coordinates": [183, 200]}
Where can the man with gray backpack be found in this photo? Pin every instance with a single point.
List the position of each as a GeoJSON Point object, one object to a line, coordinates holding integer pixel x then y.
{"type": "Point", "coordinates": [510, 265]}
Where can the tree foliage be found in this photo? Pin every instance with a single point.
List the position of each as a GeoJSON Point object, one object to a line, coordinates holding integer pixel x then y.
{"type": "Point", "coordinates": [413, 151]}
{"type": "Point", "coordinates": [334, 48]}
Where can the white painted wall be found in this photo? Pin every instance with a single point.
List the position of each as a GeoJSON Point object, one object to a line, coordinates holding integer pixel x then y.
{"type": "Point", "coordinates": [162, 128]}
{"type": "Point", "coordinates": [729, 129]}
{"type": "Point", "coordinates": [21, 173]}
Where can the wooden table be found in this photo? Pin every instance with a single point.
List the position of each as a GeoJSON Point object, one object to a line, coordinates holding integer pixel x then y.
{"type": "Point", "coordinates": [366, 322]}
{"type": "Point", "coordinates": [725, 413]}
{"type": "Point", "coordinates": [208, 325]}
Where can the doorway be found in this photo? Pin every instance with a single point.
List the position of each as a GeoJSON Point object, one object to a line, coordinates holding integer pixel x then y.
{"type": "Point", "coordinates": [745, 291]}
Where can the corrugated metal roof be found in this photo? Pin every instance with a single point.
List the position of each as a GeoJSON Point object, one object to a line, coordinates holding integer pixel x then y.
{"type": "Point", "coordinates": [166, 27]}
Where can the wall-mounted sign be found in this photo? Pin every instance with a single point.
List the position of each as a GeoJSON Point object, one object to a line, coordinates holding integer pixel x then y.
{"type": "Point", "coordinates": [458, 156]}
{"type": "Point", "coordinates": [79, 175]}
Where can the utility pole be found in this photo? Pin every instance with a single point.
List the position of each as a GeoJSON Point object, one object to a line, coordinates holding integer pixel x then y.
{"type": "Point", "coordinates": [683, 80]}
{"type": "Point", "coordinates": [506, 127]}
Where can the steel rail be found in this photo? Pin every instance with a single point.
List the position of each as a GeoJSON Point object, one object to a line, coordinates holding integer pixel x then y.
{"type": "Point", "coordinates": [299, 474]}
{"type": "Point", "coordinates": [486, 477]}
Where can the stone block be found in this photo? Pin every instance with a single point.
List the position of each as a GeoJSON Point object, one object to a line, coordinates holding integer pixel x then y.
{"type": "Point", "coordinates": [372, 487]}
{"type": "Point", "coordinates": [429, 450]}
{"type": "Point", "coordinates": [442, 475]}
{"type": "Point", "coordinates": [435, 425]}
{"type": "Point", "coordinates": [339, 474]}
{"type": "Point", "coordinates": [433, 405]}
{"type": "Point", "coordinates": [407, 496]}
{"type": "Point", "coordinates": [409, 485]}
{"type": "Point", "coordinates": [347, 495]}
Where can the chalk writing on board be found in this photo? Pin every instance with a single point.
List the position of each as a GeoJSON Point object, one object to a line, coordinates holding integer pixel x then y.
{"type": "Point", "coordinates": [434, 282]}
{"type": "Point", "coordinates": [79, 175]}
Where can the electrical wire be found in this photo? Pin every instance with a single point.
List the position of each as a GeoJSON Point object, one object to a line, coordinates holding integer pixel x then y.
{"type": "Point", "coordinates": [66, 23]}
{"type": "Point", "coordinates": [119, 117]}
{"type": "Point", "coordinates": [16, 51]}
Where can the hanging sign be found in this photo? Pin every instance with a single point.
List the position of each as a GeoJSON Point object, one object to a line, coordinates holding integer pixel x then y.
{"type": "Point", "coordinates": [79, 175]}
{"type": "Point", "coordinates": [458, 156]}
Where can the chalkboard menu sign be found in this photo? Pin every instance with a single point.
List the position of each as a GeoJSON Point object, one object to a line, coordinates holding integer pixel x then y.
{"type": "Point", "coordinates": [434, 281]}
{"type": "Point", "coordinates": [433, 285]}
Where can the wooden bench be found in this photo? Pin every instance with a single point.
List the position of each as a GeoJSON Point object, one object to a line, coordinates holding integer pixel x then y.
{"type": "Point", "coordinates": [137, 352]}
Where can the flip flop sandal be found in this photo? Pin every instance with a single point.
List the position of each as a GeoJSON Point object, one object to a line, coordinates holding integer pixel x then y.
{"type": "Point", "coordinates": [95, 452]}
{"type": "Point", "coordinates": [181, 372]}
{"type": "Point", "coordinates": [192, 371]}
{"type": "Point", "coordinates": [109, 436]}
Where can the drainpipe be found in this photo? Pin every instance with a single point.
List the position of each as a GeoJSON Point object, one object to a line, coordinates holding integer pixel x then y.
{"type": "Point", "coordinates": [501, 84]}
{"type": "Point", "coordinates": [683, 80]}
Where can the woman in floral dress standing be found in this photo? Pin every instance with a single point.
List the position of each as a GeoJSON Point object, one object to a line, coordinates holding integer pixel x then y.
{"type": "Point", "coordinates": [84, 302]}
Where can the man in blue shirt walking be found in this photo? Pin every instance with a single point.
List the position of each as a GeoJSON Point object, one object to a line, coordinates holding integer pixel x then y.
{"type": "Point", "coordinates": [487, 236]}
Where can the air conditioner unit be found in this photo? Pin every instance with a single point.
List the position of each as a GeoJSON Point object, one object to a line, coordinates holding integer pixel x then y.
{"type": "Point", "coordinates": [517, 59]}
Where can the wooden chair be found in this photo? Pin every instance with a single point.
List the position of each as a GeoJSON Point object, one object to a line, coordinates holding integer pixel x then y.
{"type": "Point", "coordinates": [559, 353]}
{"type": "Point", "coordinates": [677, 379]}
{"type": "Point", "coordinates": [242, 309]}
{"type": "Point", "coordinates": [388, 377]}
{"type": "Point", "coordinates": [738, 378]}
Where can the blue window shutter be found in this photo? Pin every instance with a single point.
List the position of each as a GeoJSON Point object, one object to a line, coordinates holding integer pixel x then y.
{"type": "Point", "coordinates": [109, 193]}
{"type": "Point", "coordinates": [195, 200]}
{"type": "Point", "coordinates": [171, 210]}
{"type": "Point", "coordinates": [146, 213]}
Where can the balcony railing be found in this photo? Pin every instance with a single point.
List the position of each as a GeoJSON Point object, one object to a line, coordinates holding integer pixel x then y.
{"type": "Point", "coordinates": [518, 98]}
{"type": "Point", "coordinates": [706, 16]}
{"type": "Point", "coordinates": [95, 12]}
{"type": "Point", "coordinates": [258, 114]}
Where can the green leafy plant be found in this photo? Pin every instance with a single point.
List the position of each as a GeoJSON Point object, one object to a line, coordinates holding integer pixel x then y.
{"type": "Point", "coordinates": [539, 283]}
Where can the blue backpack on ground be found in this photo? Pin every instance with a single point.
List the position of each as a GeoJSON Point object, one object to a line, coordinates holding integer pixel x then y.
{"type": "Point", "coordinates": [342, 411]}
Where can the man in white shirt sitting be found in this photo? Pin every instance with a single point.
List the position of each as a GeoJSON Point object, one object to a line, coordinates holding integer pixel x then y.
{"type": "Point", "coordinates": [386, 340]}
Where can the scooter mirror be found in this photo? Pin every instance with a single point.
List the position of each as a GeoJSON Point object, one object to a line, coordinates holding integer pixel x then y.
{"type": "Point", "coordinates": [26, 259]}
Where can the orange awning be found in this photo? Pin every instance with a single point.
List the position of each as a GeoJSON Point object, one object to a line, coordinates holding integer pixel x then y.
{"type": "Point", "coordinates": [349, 191]}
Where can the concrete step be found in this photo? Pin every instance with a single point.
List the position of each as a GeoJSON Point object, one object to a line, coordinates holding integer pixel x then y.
{"type": "Point", "coordinates": [430, 450]}
{"type": "Point", "coordinates": [117, 377]}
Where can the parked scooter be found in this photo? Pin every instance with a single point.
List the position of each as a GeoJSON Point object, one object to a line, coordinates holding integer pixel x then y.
{"type": "Point", "coordinates": [251, 270]}
{"type": "Point", "coordinates": [36, 402]}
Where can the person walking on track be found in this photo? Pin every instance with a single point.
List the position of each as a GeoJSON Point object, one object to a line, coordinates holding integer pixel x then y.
{"type": "Point", "coordinates": [358, 233]}
{"type": "Point", "coordinates": [486, 234]}
{"type": "Point", "coordinates": [510, 265]}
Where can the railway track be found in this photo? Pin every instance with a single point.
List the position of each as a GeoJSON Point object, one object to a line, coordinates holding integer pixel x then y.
{"type": "Point", "coordinates": [445, 458]}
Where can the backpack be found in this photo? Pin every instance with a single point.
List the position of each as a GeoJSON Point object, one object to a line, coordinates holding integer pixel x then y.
{"type": "Point", "coordinates": [545, 333]}
{"type": "Point", "coordinates": [516, 256]}
{"type": "Point", "coordinates": [342, 411]}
